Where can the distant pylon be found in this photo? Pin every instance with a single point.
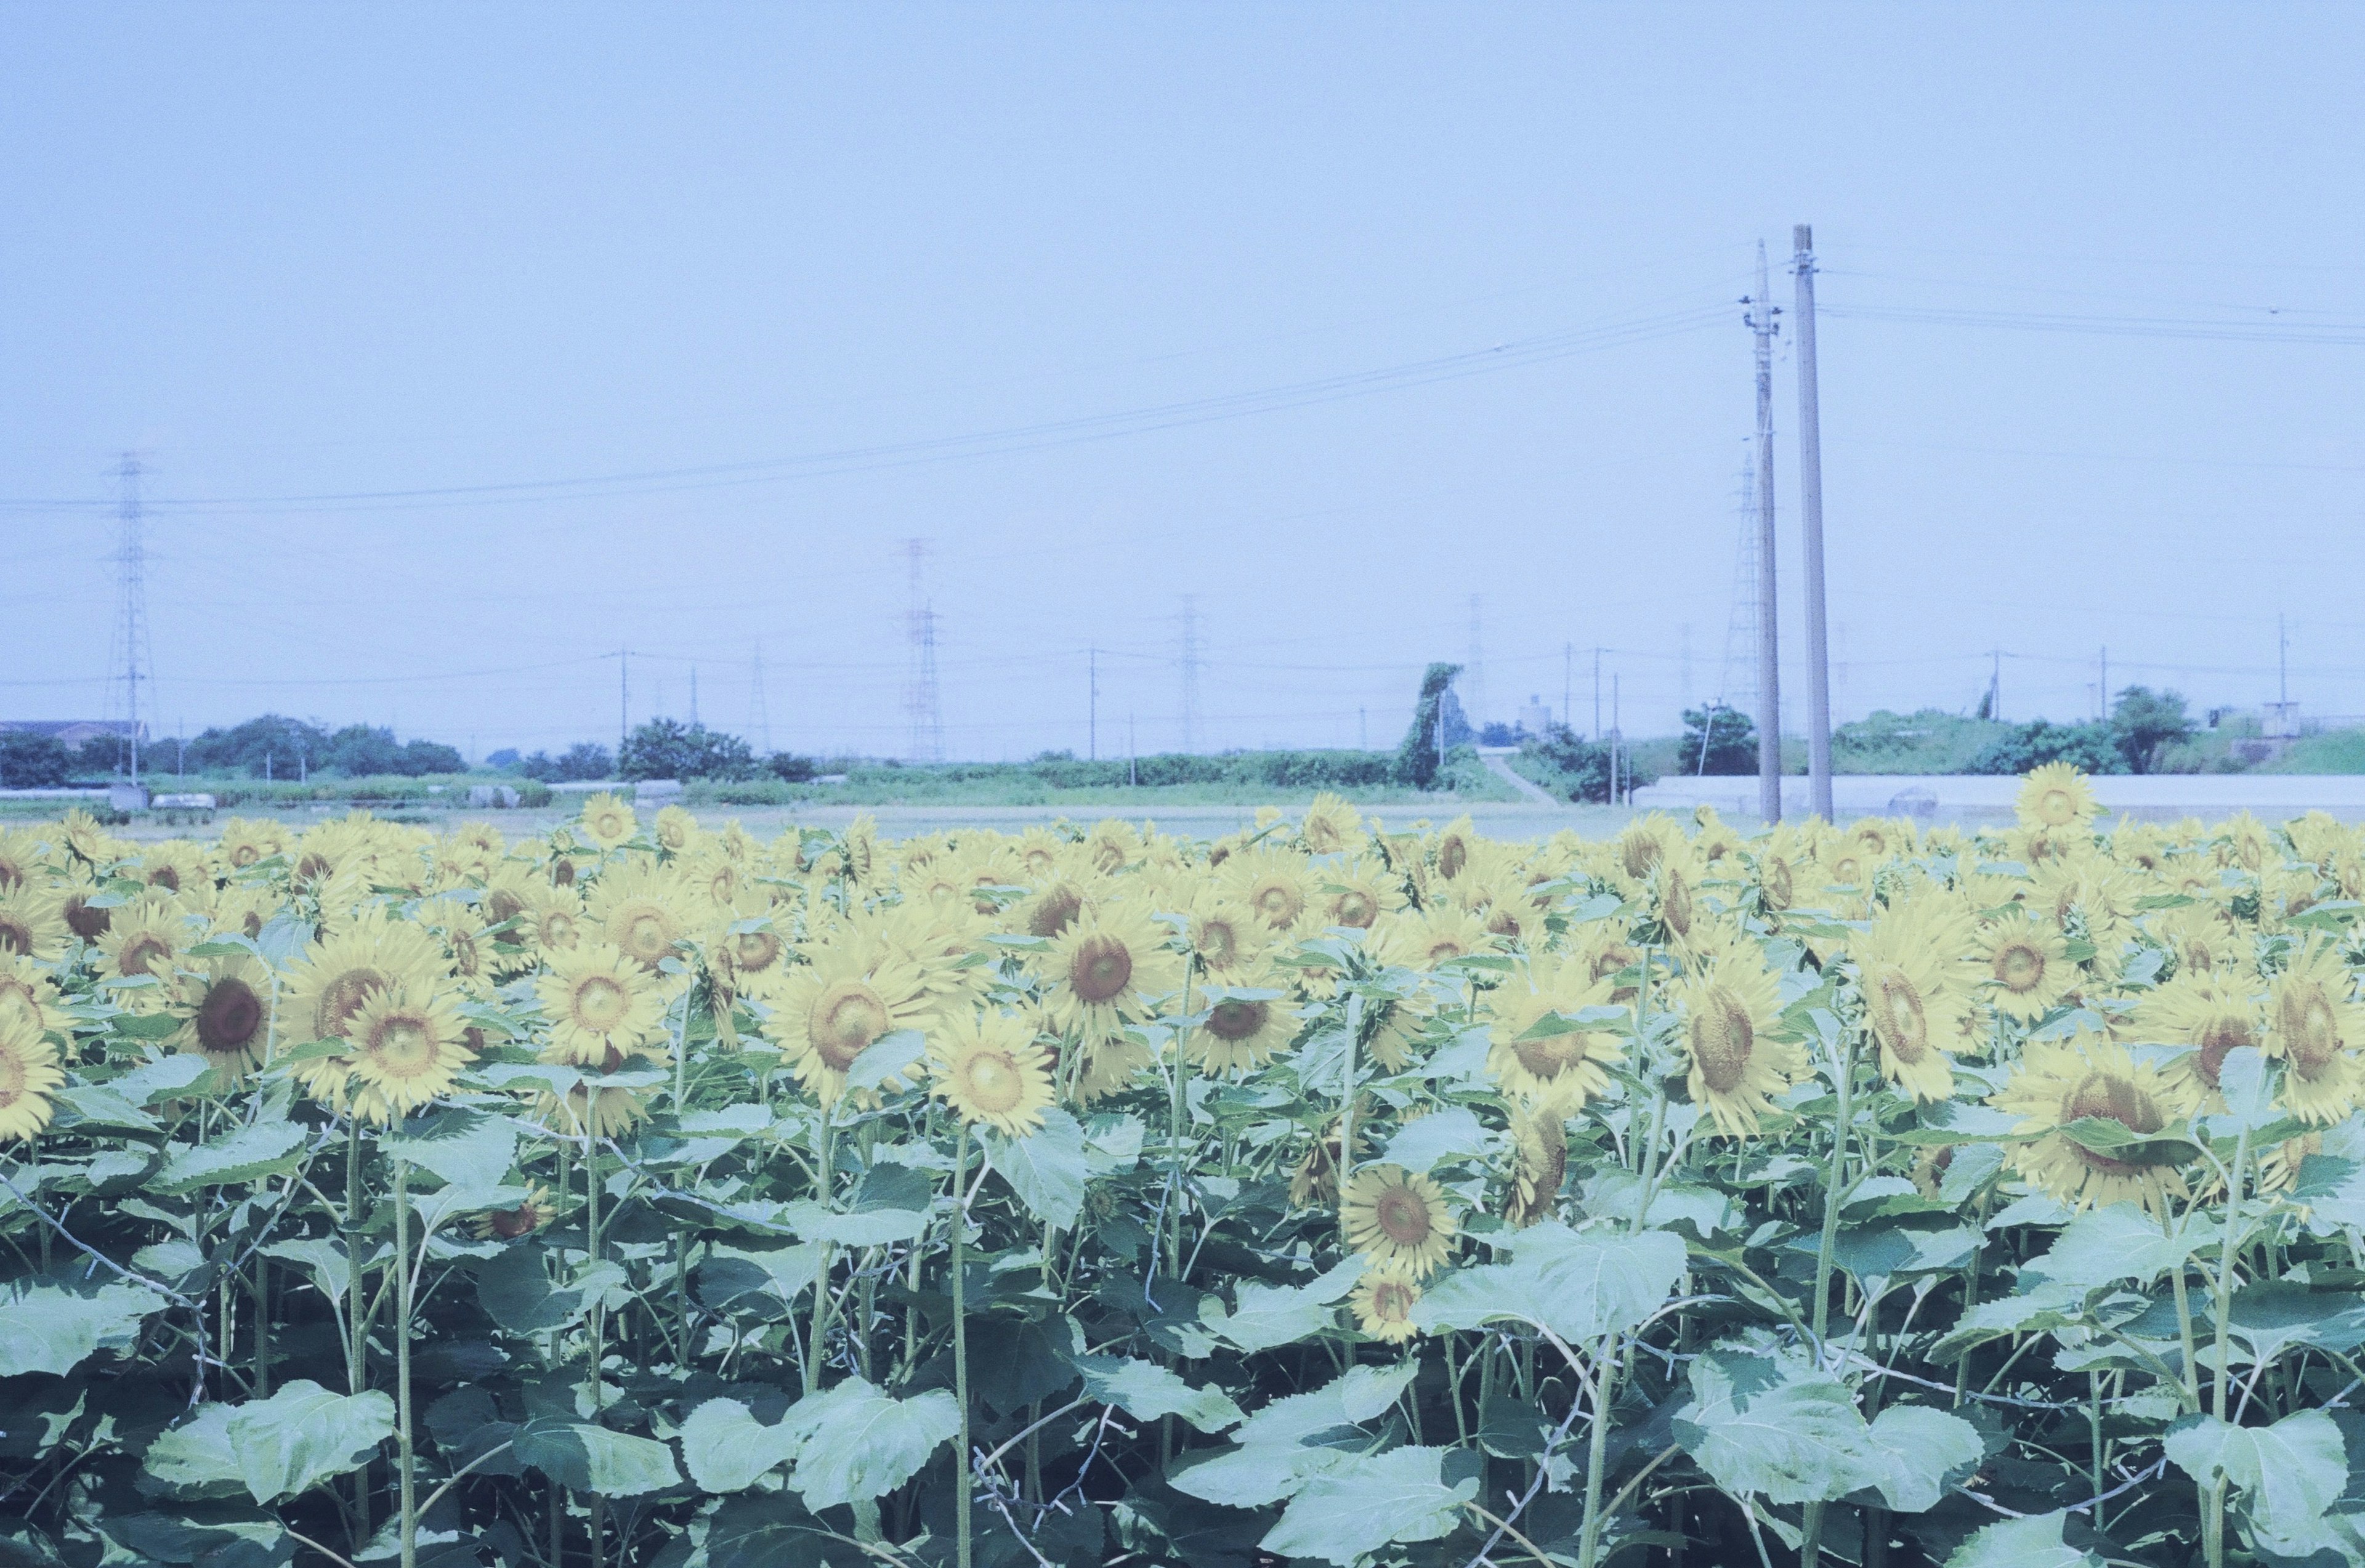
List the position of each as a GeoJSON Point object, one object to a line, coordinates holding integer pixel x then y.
{"type": "Point", "coordinates": [922, 703]}
{"type": "Point", "coordinates": [759, 718]}
{"type": "Point", "coordinates": [1736, 683]}
{"type": "Point", "coordinates": [139, 662]}
{"type": "Point", "coordinates": [1190, 673]}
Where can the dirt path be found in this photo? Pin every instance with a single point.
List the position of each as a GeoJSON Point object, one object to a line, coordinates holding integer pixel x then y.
{"type": "Point", "coordinates": [1500, 766]}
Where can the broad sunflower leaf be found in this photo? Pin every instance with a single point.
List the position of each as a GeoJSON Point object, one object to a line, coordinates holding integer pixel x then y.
{"type": "Point", "coordinates": [248, 1154]}
{"type": "Point", "coordinates": [1578, 1285]}
{"type": "Point", "coordinates": [47, 1327]}
{"type": "Point", "coordinates": [592, 1458]}
{"type": "Point", "coordinates": [1269, 1316]}
{"type": "Point", "coordinates": [303, 1435]}
{"type": "Point", "coordinates": [2289, 1474]}
{"type": "Point", "coordinates": [2101, 1247]}
{"type": "Point", "coordinates": [891, 1055]}
{"type": "Point", "coordinates": [1145, 1391]}
{"type": "Point", "coordinates": [727, 1450]}
{"type": "Point", "coordinates": [1345, 1514]}
{"type": "Point", "coordinates": [2031, 1543]}
{"type": "Point", "coordinates": [466, 1147]}
{"type": "Point", "coordinates": [856, 1442]}
{"type": "Point", "coordinates": [1775, 1426]}
{"type": "Point", "coordinates": [1047, 1168]}
{"type": "Point", "coordinates": [1452, 1133]}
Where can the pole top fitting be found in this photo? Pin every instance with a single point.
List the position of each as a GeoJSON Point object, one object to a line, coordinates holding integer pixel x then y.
{"type": "Point", "coordinates": [1802, 237]}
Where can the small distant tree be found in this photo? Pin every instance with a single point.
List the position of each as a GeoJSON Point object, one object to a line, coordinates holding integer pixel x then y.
{"type": "Point", "coordinates": [2088, 746]}
{"type": "Point", "coordinates": [584, 760]}
{"type": "Point", "coordinates": [667, 748]}
{"type": "Point", "coordinates": [1416, 758]}
{"type": "Point", "coordinates": [2145, 723]}
{"type": "Point", "coordinates": [794, 769]}
{"type": "Point", "coordinates": [30, 761]}
{"type": "Point", "coordinates": [506, 757]}
{"type": "Point", "coordinates": [1718, 739]}
{"type": "Point", "coordinates": [1583, 765]}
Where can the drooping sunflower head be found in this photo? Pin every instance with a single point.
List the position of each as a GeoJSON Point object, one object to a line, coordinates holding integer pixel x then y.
{"type": "Point", "coordinates": [32, 923]}
{"type": "Point", "coordinates": [676, 831]}
{"type": "Point", "coordinates": [1397, 1220]}
{"type": "Point", "coordinates": [2317, 1025]}
{"type": "Point", "coordinates": [229, 1021]}
{"type": "Point", "coordinates": [508, 1225]}
{"type": "Point", "coordinates": [2086, 1079]}
{"type": "Point", "coordinates": [1737, 1066]}
{"type": "Point", "coordinates": [404, 1047]}
{"type": "Point", "coordinates": [1050, 909]}
{"type": "Point", "coordinates": [1914, 1000]}
{"type": "Point", "coordinates": [2055, 796]}
{"type": "Point", "coordinates": [28, 1077]}
{"type": "Point", "coordinates": [1331, 826]}
{"type": "Point", "coordinates": [987, 1066]}
{"type": "Point", "coordinates": [1539, 1163]}
{"type": "Point", "coordinates": [607, 820]}
{"type": "Point", "coordinates": [590, 1110]}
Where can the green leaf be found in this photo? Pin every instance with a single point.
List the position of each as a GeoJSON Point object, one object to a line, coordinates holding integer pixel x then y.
{"type": "Point", "coordinates": [1047, 1168]}
{"type": "Point", "coordinates": [2031, 1543]}
{"type": "Point", "coordinates": [1455, 1134]}
{"type": "Point", "coordinates": [856, 1442]}
{"type": "Point", "coordinates": [196, 1459]}
{"type": "Point", "coordinates": [1775, 1426]}
{"type": "Point", "coordinates": [323, 1258]}
{"type": "Point", "coordinates": [1147, 1391]}
{"type": "Point", "coordinates": [166, 1078]}
{"type": "Point", "coordinates": [466, 1147]}
{"type": "Point", "coordinates": [2290, 1474]}
{"type": "Point", "coordinates": [1578, 1285]}
{"type": "Point", "coordinates": [1268, 1316]}
{"type": "Point", "coordinates": [51, 1327]}
{"type": "Point", "coordinates": [2103, 1246]}
{"type": "Point", "coordinates": [516, 1288]}
{"type": "Point", "coordinates": [248, 1154]}
{"type": "Point", "coordinates": [1880, 1254]}
{"type": "Point", "coordinates": [730, 1275]}
{"type": "Point", "coordinates": [303, 1435]}
{"type": "Point", "coordinates": [1344, 1515]}
{"type": "Point", "coordinates": [727, 1450]}
{"type": "Point", "coordinates": [593, 1458]}
{"type": "Point", "coordinates": [2106, 1134]}
{"type": "Point", "coordinates": [889, 1056]}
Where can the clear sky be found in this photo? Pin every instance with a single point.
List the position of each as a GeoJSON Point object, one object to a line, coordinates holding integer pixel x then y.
{"type": "Point", "coordinates": [1329, 316]}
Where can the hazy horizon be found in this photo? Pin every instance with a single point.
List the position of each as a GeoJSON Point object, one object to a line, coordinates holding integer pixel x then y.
{"type": "Point", "coordinates": [465, 347]}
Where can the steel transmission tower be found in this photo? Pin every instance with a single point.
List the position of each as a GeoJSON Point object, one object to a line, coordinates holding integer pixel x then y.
{"type": "Point", "coordinates": [922, 702]}
{"type": "Point", "coordinates": [139, 661]}
{"type": "Point", "coordinates": [760, 718]}
{"type": "Point", "coordinates": [1472, 683]}
{"type": "Point", "coordinates": [1190, 673]}
{"type": "Point", "coordinates": [1736, 683]}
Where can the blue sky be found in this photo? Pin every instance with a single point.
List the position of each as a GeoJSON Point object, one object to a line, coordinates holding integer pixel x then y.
{"type": "Point", "coordinates": [1116, 304]}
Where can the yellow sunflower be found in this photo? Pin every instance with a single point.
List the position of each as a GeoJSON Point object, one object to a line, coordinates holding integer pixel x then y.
{"type": "Point", "coordinates": [1250, 1022]}
{"type": "Point", "coordinates": [600, 1003]}
{"type": "Point", "coordinates": [327, 985]}
{"type": "Point", "coordinates": [1104, 971]}
{"type": "Point", "coordinates": [1276, 886]}
{"type": "Point", "coordinates": [1331, 826]}
{"type": "Point", "coordinates": [988, 1068]}
{"type": "Point", "coordinates": [1397, 1221]}
{"type": "Point", "coordinates": [1537, 1055]}
{"type": "Point", "coordinates": [1737, 1068]}
{"type": "Point", "coordinates": [831, 1010]}
{"type": "Point", "coordinates": [639, 908]}
{"type": "Point", "coordinates": [2055, 796]}
{"type": "Point", "coordinates": [2212, 1014]}
{"type": "Point", "coordinates": [508, 1225]}
{"type": "Point", "coordinates": [28, 995]}
{"type": "Point", "coordinates": [32, 923]}
{"type": "Point", "coordinates": [551, 920]}
{"type": "Point", "coordinates": [2086, 1077]}
{"type": "Point", "coordinates": [1224, 936]}
{"type": "Point", "coordinates": [2200, 938]}
{"type": "Point", "coordinates": [87, 922]}
{"type": "Point", "coordinates": [144, 938]}
{"type": "Point", "coordinates": [28, 1075]}
{"type": "Point", "coordinates": [404, 1048]}
{"type": "Point", "coordinates": [1052, 908]}
{"type": "Point", "coordinates": [2315, 1023]}
{"type": "Point", "coordinates": [1357, 895]}
{"type": "Point", "coordinates": [676, 831]}
{"type": "Point", "coordinates": [2023, 966]}
{"type": "Point", "coordinates": [607, 820]}
{"type": "Point", "coordinates": [590, 1111]}
{"type": "Point", "coordinates": [1384, 1304]}
{"type": "Point", "coordinates": [230, 1014]}
{"type": "Point", "coordinates": [1914, 999]}
{"type": "Point", "coordinates": [23, 859]}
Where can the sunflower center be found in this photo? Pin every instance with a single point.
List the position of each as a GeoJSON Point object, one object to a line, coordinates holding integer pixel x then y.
{"type": "Point", "coordinates": [86, 922]}
{"type": "Point", "coordinates": [1441, 948]}
{"type": "Point", "coordinates": [1676, 907]}
{"type": "Point", "coordinates": [1101, 970]}
{"type": "Point", "coordinates": [15, 937]}
{"type": "Point", "coordinates": [992, 1083]}
{"type": "Point", "coordinates": [1055, 912]}
{"type": "Point", "coordinates": [402, 1045]}
{"type": "Point", "coordinates": [2057, 808]}
{"type": "Point", "coordinates": [601, 1004]}
{"type": "Point", "coordinates": [1777, 882]}
{"type": "Point", "coordinates": [1278, 902]}
{"type": "Point", "coordinates": [341, 998]}
{"type": "Point", "coordinates": [846, 1018]}
{"type": "Point", "coordinates": [558, 929]}
{"type": "Point", "coordinates": [2311, 1027]}
{"type": "Point", "coordinates": [141, 954]}
{"type": "Point", "coordinates": [1218, 943]}
{"type": "Point", "coordinates": [1638, 854]}
{"type": "Point", "coordinates": [1722, 1041]}
{"type": "Point", "coordinates": [756, 951]}
{"type": "Point", "coordinates": [1899, 1003]}
{"type": "Point", "coordinates": [2020, 967]}
{"type": "Point", "coordinates": [1235, 1021]}
{"type": "Point", "coordinates": [1401, 1217]}
{"type": "Point", "coordinates": [502, 904]}
{"type": "Point", "coordinates": [1549, 1056]}
{"type": "Point", "coordinates": [647, 934]}
{"type": "Point", "coordinates": [1452, 856]}
{"type": "Point", "coordinates": [229, 1016]}
{"type": "Point", "coordinates": [2111, 1098]}
{"type": "Point", "coordinates": [1392, 1300]}
{"type": "Point", "coordinates": [2219, 1037]}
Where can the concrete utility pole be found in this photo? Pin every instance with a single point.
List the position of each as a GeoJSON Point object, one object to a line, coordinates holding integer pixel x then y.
{"type": "Point", "coordinates": [1762, 312]}
{"type": "Point", "coordinates": [1567, 684]}
{"type": "Point", "coordinates": [623, 701]}
{"type": "Point", "coordinates": [1995, 685]}
{"type": "Point", "coordinates": [1811, 525]}
{"type": "Point", "coordinates": [1596, 694]}
{"type": "Point", "coordinates": [2102, 683]}
{"type": "Point", "coordinates": [1093, 724]}
{"type": "Point", "coordinates": [134, 562]}
{"type": "Point", "coordinates": [2282, 667]}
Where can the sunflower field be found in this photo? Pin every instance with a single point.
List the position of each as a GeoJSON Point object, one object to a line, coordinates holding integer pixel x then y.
{"type": "Point", "coordinates": [649, 1194]}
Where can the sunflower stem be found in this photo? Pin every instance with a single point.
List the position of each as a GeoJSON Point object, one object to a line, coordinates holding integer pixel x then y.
{"type": "Point", "coordinates": [2212, 1500]}
{"type": "Point", "coordinates": [828, 1185]}
{"type": "Point", "coordinates": [1588, 1547]}
{"type": "Point", "coordinates": [963, 1545]}
{"type": "Point", "coordinates": [1658, 1097]}
{"type": "Point", "coordinates": [1174, 1124]}
{"type": "Point", "coordinates": [404, 1304]}
{"type": "Point", "coordinates": [598, 1322]}
{"type": "Point", "coordinates": [1811, 1526]}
